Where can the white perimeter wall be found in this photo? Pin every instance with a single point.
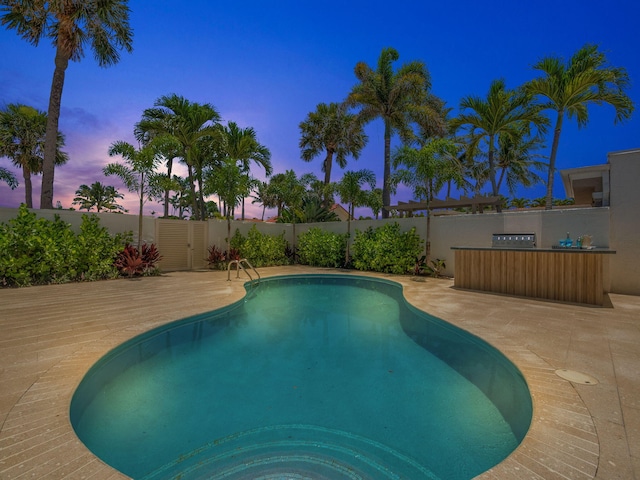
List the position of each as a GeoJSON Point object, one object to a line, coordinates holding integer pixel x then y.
{"type": "Point", "coordinates": [114, 222]}
{"type": "Point", "coordinates": [615, 227]}
{"type": "Point", "coordinates": [625, 221]}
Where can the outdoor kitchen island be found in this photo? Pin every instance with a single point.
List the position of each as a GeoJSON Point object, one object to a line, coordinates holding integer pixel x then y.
{"type": "Point", "coordinates": [564, 274]}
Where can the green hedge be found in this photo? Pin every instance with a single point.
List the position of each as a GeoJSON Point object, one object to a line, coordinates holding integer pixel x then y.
{"type": "Point", "coordinates": [261, 249]}
{"type": "Point", "coordinates": [319, 248]}
{"type": "Point", "coordinates": [38, 251]}
{"type": "Point", "coordinates": [386, 249]}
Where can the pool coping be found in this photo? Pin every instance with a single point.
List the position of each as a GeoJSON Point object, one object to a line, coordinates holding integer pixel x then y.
{"type": "Point", "coordinates": [37, 440]}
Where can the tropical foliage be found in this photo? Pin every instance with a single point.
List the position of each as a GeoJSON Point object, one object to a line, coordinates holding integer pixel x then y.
{"type": "Point", "coordinates": [400, 99]}
{"type": "Point", "coordinates": [504, 113]}
{"type": "Point", "coordinates": [386, 249]}
{"type": "Point", "coordinates": [186, 130]}
{"type": "Point", "coordinates": [568, 88]}
{"type": "Point", "coordinates": [22, 139]}
{"type": "Point", "coordinates": [494, 144]}
{"type": "Point", "coordinates": [349, 189]}
{"type": "Point", "coordinates": [241, 146]}
{"type": "Point", "coordinates": [137, 173]}
{"type": "Point", "coordinates": [133, 262]}
{"type": "Point", "coordinates": [321, 248]}
{"type": "Point", "coordinates": [9, 178]}
{"type": "Point", "coordinates": [259, 248]}
{"type": "Point", "coordinates": [263, 195]}
{"type": "Point", "coordinates": [102, 197]}
{"type": "Point", "coordinates": [230, 183]}
{"type": "Point", "coordinates": [71, 27]}
{"type": "Point", "coordinates": [426, 171]}
{"type": "Point", "coordinates": [333, 131]}
{"type": "Point", "coordinates": [36, 251]}
{"type": "Point", "coordinates": [288, 191]}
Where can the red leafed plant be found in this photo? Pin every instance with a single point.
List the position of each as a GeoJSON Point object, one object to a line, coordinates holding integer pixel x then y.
{"type": "Point", "coordinates": [131, 262]}
{"type": "Point", "coordinates": [150, 256]}
{"type": "Point", "coordinates": [218, 259]}
{"type": "Point", "coordinates": [234, 254]}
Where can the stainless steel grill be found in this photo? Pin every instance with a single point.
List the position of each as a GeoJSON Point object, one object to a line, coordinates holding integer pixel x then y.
{"type": "Point", "coordinates": [514, 240]}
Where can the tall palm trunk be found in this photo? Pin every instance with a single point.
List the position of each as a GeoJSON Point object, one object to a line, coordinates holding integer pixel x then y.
{"type": "Point", "coordinates": [140, 212]}
{"type": "Point", "coordinates": [347, 253]}
{"type": "Point", "coordinates": [194, 196]}
{"type": "Point", "coordinates": [203, 213]}
{"type": "Point", "coordinates": [427, 243]}
{"type": "Point", "coordinates": [386, 194]}
{"type": "Point", "coordinates": [502, 174]}
{"type": "Point", "coordinates": [492, 170]}
{"type": "Point", "coordinates": [28, 188]}
{"type": "Point", "coordinates": [552, 160]}
{"type": "Point", "coordinates": [166, 192]}
{"type": "Point", "coordinates": [51, 133]}
{"type": "Point", "coordinates": [328, 162]}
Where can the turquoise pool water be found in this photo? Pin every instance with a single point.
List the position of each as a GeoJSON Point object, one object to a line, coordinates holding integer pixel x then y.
{"type": "Point", "coordinates": [310, 376]}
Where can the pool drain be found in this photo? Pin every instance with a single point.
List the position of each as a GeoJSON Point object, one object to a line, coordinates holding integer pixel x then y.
{"type": "Point", "coordinates": [576, 377]}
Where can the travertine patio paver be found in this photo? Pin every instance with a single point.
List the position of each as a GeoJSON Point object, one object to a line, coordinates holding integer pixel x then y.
{"type": "Point", "coordinates": [51, 335]}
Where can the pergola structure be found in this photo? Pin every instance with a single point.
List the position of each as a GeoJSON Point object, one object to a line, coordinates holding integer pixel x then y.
{"type": "Point", "coordinates": [476, 203]}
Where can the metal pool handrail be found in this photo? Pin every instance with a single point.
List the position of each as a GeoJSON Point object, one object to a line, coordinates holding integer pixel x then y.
{"type": "Point", "coordinates": [239, 267]}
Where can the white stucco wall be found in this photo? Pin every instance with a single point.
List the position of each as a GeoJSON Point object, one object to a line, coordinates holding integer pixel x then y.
{"type": "Point", "coordinates": [616, 227]}
{"type": "Point", "coordinates": [625, 221]}
{"type": "Point", "coordinates": [114, 222]}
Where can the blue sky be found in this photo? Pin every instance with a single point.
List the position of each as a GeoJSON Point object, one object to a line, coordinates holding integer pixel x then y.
{"type": "Point", "coordinates": [267, 65]}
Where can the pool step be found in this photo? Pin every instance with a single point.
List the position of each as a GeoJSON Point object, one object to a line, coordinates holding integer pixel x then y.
{"type": "Point", "coordinates": [293, 452]}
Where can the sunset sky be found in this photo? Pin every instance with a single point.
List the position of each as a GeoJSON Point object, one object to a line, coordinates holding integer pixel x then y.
{"type": "Point", "coordinates": [267, 64]}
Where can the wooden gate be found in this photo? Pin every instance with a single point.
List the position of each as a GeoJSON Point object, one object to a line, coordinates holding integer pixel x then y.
{"type": "Point", "coordinates": [182, 244]}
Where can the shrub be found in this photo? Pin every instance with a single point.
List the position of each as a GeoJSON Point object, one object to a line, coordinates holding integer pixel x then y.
{"type": "Point", "coordinates": [39, 251]}
{"type": "Point", "coordinates": [218, 259]}
{"type": "Point", "coordinates": [434, 268]}
{"type": "Point", "coordinates": [260, 249]}
{"type": "Point", "coordinates": [129, 261]}
{"type": "Point", "coordinates": [320, 248]}
{"type": "Point", "coordinates": [132, 262]}
{"type": "Point", "coordinates": [386, 249]}
{"type": "Point", "coordinates": [96, 249]}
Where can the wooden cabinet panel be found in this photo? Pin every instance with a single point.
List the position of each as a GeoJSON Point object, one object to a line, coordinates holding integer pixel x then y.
{"type": "Point", "coordinates": [552, 275]}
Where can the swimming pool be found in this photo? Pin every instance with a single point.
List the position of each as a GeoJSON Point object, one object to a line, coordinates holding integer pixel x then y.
{"type": "Point", "coordinates": [322, 376]}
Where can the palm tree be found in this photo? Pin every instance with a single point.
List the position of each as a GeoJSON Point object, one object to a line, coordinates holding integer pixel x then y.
{"type": "Point", "coordinates": [22, 139]}
{"type": "Point", "coordinates": [519, 202]}
{"type": "Point", "coordinates": [180, 201]}
{"type": "Point", "coordinates": [350, 191]}
{"type": "Point", "coordinates": [287, 189]}
{"type": "Point", "coordinates": [503, 112]}
{"type": "Point", "coordinates": [334, 131]}
{"type": "Point", "coordinates": [230, 183]}
{"type": "Point", "coordinates": [137, 173]}
{"type": "Point", "coordinates": [517, 161]}
{"type": "Point", "coordinates": [311, 211]}
{"type": "Point", "coordinates": [71, 27]}
{"type": "Point", "coordinates": [263, 196]}
{"type": "Point", "coordinates": [374, 201]}
{"type": "Point", "coordinates": [398, 98]}
{"type": "Point", "coordinates": [242, 146]}
{"type": "Point", "coordinates": [570, 88]}
{"type": "Point", "coordinates": [100, 196]}
{"type": "Point", "coordinates": [426, 171]}
{"type": "Point", "coordinates": [189, 124]}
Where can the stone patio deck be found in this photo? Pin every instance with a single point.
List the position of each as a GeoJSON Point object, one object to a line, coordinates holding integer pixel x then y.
{"type": "Point", "coordinates": [51, 335]}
